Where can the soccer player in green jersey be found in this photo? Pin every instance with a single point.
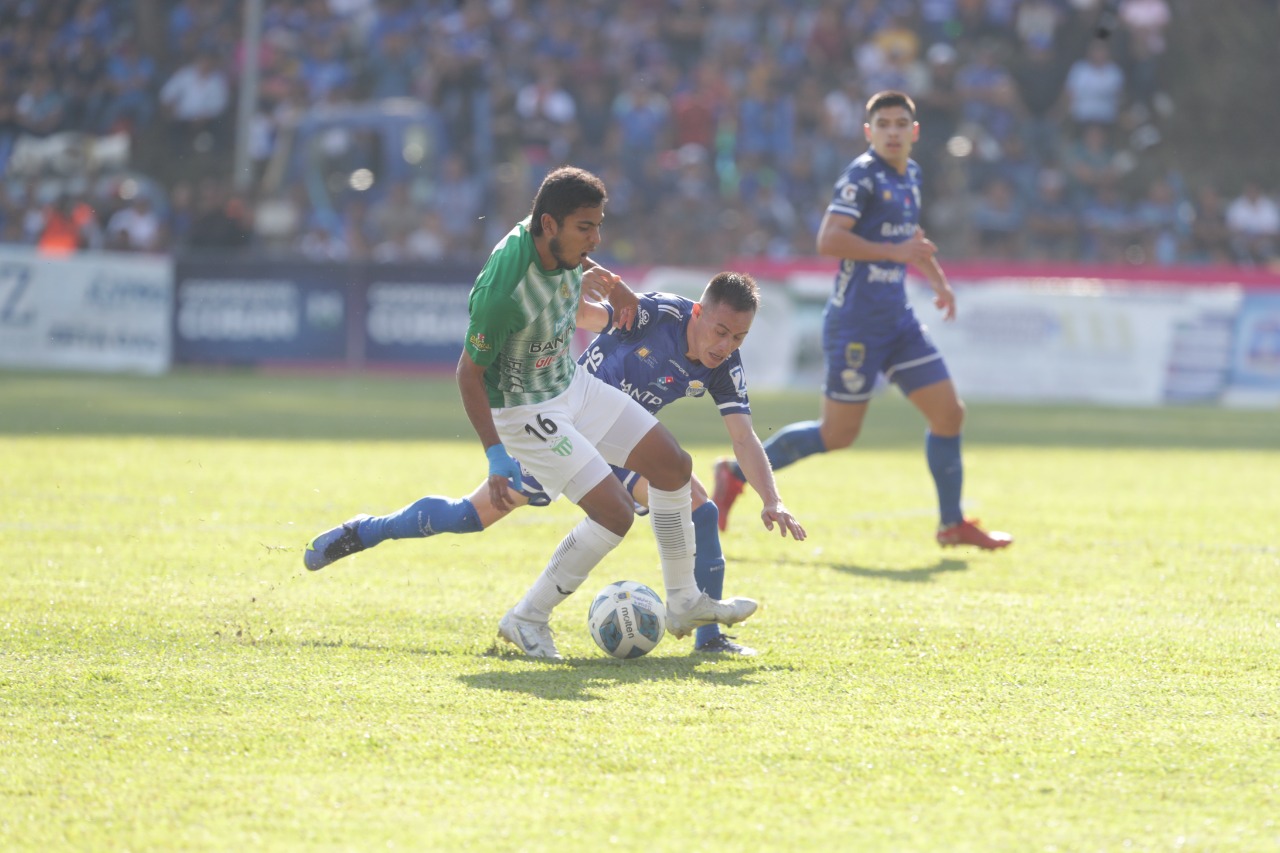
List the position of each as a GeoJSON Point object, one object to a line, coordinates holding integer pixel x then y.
{"type": "Point", "coordinates": [523, 392]}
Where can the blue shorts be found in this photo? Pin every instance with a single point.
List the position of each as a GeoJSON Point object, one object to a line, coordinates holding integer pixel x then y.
{"type": "Point", "coordinates": [857, 353]}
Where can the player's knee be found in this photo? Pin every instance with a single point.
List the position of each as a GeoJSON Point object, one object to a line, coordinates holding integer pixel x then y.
{"type": "Point", "coordinates": [950, 421]}
{"type": "Point", "coordinates": [616, 519]}
{"type": "Point", "coordinates": [838, 438]}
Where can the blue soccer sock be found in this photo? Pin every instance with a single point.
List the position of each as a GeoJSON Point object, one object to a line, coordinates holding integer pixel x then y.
{"type": "Point", "coordinates": [708, 562]}
{"type": "Point", "coordinates": [943, 454]}
{"type": "Point", "coordinates": [424, 517]}
{"type": "Point", "coordinates": [789, 444]}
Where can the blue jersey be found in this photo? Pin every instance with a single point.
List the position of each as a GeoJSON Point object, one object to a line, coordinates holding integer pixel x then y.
{"type": "Point", "coordinates": [648, 360]}
{"type": "Point", "coordinates": [886, 205]}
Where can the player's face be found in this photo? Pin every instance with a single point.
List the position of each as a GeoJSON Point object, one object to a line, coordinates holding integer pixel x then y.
{"type": "Point", "coordinates": [892, 131]}
{"type": "Point", "coordinates": [574, 239]}
{"type": "Point", "coordinates": [716, 332]}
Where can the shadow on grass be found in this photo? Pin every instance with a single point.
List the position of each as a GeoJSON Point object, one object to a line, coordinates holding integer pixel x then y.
{"type": "Point", "coordinates": [921, 574]}
{"type": "Point", "coordinates": [586, 679]}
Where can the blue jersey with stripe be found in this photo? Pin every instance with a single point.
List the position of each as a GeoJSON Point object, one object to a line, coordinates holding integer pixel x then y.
{"type": "Point", "coordinates": [886, 205]}
{"type": "Point", "coordinates": [648, 360]}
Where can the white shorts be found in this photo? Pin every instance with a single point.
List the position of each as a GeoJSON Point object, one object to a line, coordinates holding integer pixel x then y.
{"type": "Point", "coordinates": [569, 441]}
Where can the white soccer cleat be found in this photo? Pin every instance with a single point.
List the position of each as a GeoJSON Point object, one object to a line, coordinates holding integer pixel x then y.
{"type": "Point", "coordinates": [706, 610]}
{"type": "Point", "coordinates": [532, 638]}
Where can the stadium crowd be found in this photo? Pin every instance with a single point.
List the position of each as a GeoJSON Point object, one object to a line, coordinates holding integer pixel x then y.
{"type": "Point", "coordinates": [717, 125]}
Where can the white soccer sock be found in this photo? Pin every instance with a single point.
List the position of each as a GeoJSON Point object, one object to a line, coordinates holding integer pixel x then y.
{"type": "Point", "coordinates": [579, 552]}
{"type": "Point", "coordinates": [670, 515]}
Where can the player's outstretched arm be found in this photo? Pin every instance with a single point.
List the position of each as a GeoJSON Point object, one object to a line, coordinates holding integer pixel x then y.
{"type": "Point", "coordinates": [755, 465]}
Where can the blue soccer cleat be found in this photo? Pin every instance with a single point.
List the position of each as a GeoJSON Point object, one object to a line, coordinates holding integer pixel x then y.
{"type": "Point", "coordinates": [333, 545]}
{"type": "Point", "coordinates": [723, 644]}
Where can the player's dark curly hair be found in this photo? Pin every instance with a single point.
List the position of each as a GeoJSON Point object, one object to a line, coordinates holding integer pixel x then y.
{"type": "Point", "coordinates": [890, 98]}
{"type": "Point", "coordinates": [562, 192]}
{"type": "Point", "coordinates": [738, 290]}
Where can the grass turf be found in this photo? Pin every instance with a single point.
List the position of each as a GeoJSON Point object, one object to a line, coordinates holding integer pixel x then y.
{"type": "Point", "coordinates": [171, 678]}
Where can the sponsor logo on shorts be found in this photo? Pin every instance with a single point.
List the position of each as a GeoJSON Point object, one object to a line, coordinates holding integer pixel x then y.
{"type": "Point", "coordinates": [562, 446]}
{"type": "Point", "coordinates": [853, 380]}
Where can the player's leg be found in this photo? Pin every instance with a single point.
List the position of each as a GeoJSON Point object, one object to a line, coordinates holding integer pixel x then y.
{"type": "Point", "coordinates": [926, 383]}
{"type": "Point", "coordinates": [570, 465]}
{"type": "Point", "coordinates": [659, 458]}
{"type": "Point", "coordinates": [424, 517]}
{"type": "Point", "coordinates": [708, 561]}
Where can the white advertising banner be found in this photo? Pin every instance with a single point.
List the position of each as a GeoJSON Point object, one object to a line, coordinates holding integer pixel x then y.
{"type": "Point", "coordinates": [91, 311]}
{"type": "Point", "coordinates": [1080, 340]}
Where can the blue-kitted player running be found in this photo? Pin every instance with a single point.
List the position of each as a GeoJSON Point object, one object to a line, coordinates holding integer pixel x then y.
{"type": "Point", "coordinates": [872, 225]}
{"type": "Point", "coordinates": [676, 349]}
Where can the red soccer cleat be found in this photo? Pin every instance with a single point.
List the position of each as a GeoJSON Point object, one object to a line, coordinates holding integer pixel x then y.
{"type": "Point", "coordinates": [968, 532]}
{"type": "Point", "coordinates": [727, 489]}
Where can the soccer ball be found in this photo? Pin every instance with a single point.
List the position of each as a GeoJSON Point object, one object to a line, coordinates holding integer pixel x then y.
{"type": "Point", "coordinates": [627, 619]}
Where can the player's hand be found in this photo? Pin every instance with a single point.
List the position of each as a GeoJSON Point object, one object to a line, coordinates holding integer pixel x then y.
{"type": "Point", "coordinates": [504, 471]}
{"type": "Point", "coordinates": [778, 514]}
{"type": "Point", "coordinates": [598, 283]}
{"type": "Point", "coordinates": [945, 300]}
{"type": "Point", "coordinates": [917, 250]}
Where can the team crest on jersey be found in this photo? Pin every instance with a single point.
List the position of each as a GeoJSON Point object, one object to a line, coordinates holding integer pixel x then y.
{"type": "Point", "coordinates": [478, 343]}
{"type": "Point", "coordinates": [696, 388]}
{"type": "Point", "coordinates": [855, 355]}
{"type": "Point", "coordinates": [564, 290]}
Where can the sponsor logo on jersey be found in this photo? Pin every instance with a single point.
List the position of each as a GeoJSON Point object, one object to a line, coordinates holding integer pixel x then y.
{"type": "Point", "coordinates": [544, 361]}
{"type": "Point", "coordinates": [887, 196]}
{"type": "Point", "coordinates": [642, 318]}
{"type": "Point", "coordinates": [663, 382]}
{"type": "Point", "coordinates": [562, 446]}
{"type": "Point", "coordinates": [848, 192]}
{"type": "Point", "coordinates": [546, 346]}
{"type": "Point", "coordinates": [897, 229]}
{"type": "Point", "coordinates": [886, 275]}
{"type": "Point", "coordinates": [646, 355]}
{"type": "Point", "coordinates": [696, 388]}
{"type": "Point", "coordinates": [478, 343]}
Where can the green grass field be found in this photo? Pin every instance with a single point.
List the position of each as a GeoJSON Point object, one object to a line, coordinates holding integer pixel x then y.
{"type": "Point", "coordinates": [172, 679]}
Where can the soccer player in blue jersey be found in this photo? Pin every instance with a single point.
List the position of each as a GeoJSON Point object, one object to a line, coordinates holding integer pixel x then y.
{"type": "Point", "coordinates": [872, 225]}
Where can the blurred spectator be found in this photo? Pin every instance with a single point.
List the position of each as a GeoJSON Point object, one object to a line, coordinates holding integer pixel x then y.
{"type": "Point", "coordinates": [989, 94]}
{"type": "Point", "coordinates": [1108, 226]}
{"type": "Point", "coordinates": [1210, 239]}
{"type": "Point", "coordinates": [1254, 222]}
{"type": "Point", "coordinates": [1160, 223]}
{"type": "Point", "coordinates": [1052, 227]}
{"type": "Point", "coordinates": [1091, 163]}
{"type": "Point", "coordinates": [136, 227]}
{"type": "Point", "coordinates": [1095, 87]}
{"type": "Point", "coordinates": [66, 225]}
{"type": "Point", "coordinates": [41, 108]}
{"type": "Point", "coordinates": [195, 100]}
{"type": "Point", "coordinates": [459, 197]}
{"type": "Point", "coordinates": [1038, 76]}
{"type": "Point", "coordinates": [998, 220]}
{"type": "Point", "coordinates": [130, 103]}
{"type": "Point", "coordinates": [546, 113]}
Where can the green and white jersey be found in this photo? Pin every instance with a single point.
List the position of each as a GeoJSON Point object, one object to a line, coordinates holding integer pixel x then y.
{"type": "Point", "coordinates": [522, 322]}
